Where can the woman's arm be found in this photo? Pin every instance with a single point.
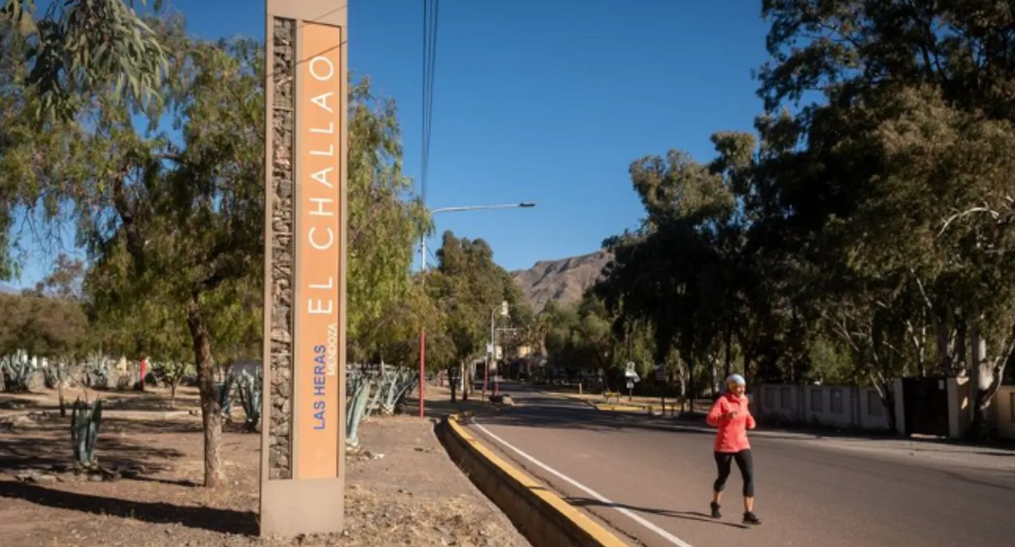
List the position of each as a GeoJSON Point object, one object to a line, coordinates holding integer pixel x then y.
{"type": "Point", "coordinates": [750, 420]}
{"type": "Point", "coordinates": [716, 414]}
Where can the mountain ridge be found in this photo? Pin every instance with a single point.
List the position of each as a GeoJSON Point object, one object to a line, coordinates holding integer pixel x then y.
{"type": "Point", "coordinates": [563, 280]}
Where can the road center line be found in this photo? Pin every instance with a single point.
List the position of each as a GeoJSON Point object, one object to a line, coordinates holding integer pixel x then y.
{"type": "Point", "coordinates": [613, 505]}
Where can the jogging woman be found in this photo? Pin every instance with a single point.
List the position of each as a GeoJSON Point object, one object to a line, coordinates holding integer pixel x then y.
{"type": "Point", "coordinates": [731, 416]}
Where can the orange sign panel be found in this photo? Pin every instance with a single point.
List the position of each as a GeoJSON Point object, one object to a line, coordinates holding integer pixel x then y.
{"type": "Point", "coordinates": [319, 225]}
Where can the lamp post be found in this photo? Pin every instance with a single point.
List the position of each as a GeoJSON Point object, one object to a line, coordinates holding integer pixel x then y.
{"type": "Point", "coordinates": [422, 266]}
{"type": "Point", "coordinates": [501, 310]}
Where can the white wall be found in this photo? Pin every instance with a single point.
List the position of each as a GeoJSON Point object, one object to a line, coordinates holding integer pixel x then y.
{"type": "Point", "coordinates": [835, 406]}
{"type": "Point", "coordinates": [829, 405]}
{"type": "Point", "coordinates": [778, 401]}
{"type": "Point", "coordinates": [873, 414]}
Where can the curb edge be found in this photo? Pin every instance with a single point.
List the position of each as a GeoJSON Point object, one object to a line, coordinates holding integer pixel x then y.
{"type": "Point", "coordinates": [541, 515]}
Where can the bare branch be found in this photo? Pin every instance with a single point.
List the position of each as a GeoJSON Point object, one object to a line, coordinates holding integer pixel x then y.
{"type": "Point", "coordinates": [963, 214]}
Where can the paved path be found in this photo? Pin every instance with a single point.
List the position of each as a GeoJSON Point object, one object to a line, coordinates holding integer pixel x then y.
{"type": "Point", "coordinates": [651, 480]}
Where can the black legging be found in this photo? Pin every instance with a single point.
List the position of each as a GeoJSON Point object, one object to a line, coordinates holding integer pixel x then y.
{"type": "Point", "coordinates": [746, 464]}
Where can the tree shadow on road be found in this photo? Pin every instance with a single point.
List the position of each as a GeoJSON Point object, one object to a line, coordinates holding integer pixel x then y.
{"type": "Point", "coordinates": [684, 515]}
{"type": "Point", "coordinates": [556, 413]}
{"type": "Point", "coordinates": [553, 412]}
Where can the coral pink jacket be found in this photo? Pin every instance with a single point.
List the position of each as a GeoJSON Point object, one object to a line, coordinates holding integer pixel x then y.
{"type": "Point", "coordinates": [732, 434]}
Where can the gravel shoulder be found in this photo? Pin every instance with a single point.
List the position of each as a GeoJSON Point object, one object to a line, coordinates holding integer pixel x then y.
{"type": "Point", "coordinates": [401, 490]}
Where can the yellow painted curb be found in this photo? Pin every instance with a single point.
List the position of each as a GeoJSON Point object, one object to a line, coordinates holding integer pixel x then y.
{"type": "Point", "coordinates": [619, 408]}
{"type": "Point", "coordinates": [589, 532]}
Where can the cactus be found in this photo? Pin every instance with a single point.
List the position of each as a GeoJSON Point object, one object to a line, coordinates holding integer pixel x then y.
{"type": "Point", "coordinates": [225, 395]}
{"type": "Point", "coordinates": [53, 376]}
{"type": "Point", "coordinates": [397, 384]}
{"type": "Point", "coordinates": [408, 380]}
{"type": "Point", "coordinates": [251, 386]}
{"type": "Point", "coordinates": [17, 370]}
{"type": "Point", "coordinates": [84, 430]}
{"type": "Point", "coordinates": [97, 374]}
{"type": "Point", "coordinates": [19, 374]}
{"type": "Point", "coordinates": [374, 387]}
{"type": "Point", "coordinates": [359, 387]}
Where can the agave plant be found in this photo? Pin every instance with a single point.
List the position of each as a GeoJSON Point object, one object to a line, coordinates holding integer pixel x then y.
{"type": "Point", "coordinates": [84, 431]}
{"type": "Point", "coordinates": [225, 395]}
{"type": "Point", "coordinates": [397, 383]}
{"type": "Point", "coordinates": [251, 387]}
{"type": "Point", "coordinates": [359, 389]}
{"type": "Point", "coordinates": [98, 374]}
{"type": "Point", "coordinates": [18, 370]}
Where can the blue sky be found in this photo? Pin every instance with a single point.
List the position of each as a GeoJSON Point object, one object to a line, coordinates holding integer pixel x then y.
{"type": "Point", "coordinates": [541, 100]}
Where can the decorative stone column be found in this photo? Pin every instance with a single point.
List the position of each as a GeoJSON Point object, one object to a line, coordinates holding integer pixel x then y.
{"type": "Point", "coordinates": [302, 448]}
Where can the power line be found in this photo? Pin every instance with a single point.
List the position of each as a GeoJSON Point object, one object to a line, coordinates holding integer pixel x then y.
{"type": "Point", "coordinates": [430, 20]}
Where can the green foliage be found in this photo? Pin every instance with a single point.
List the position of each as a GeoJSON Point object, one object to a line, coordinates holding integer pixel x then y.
{"type": "Point", "coordinates": [42, 326]}
{"type": "Point", "coordinates": [84, 431]}
{"type": "Point", "coordinates": [468, 288]}
{"type": "Point", "coordinates": [385, 308]}
{"type": "Point", "coordinates": [79, 48]}
{"type": "Point", "coordinates": [862, 239]}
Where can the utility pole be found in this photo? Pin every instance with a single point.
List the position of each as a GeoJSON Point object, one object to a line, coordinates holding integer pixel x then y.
{"type": "Point", "coordinates": [422, 266]}
{"type": "Point", "coordinates": [422, 335]}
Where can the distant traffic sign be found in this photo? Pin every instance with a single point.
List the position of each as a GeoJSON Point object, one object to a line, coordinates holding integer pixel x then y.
{"type": "Point", "coordinates": [630, 373]}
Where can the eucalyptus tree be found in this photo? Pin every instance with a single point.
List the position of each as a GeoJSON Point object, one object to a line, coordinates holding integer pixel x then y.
{"type": "Point", "coordinates": [906, 162]}
{"type": "Point", "coordinates": [77, 48]}
{"type": "Point", "coordinates": [168, 197]}
{"type": "Point", "coordinates": [467, 288]}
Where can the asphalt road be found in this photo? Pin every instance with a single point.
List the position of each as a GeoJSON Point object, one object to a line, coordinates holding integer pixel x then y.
{"type": "Point", "coordinates": [651, 480]}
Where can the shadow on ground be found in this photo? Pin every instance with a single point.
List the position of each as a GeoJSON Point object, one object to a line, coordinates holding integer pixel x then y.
{"type": "Point", "coordinates": [112, 399]}
{"type": "Point", "coordinates": [537, 409]}
{"type": "Point", "coordinates": [439, 408]}
{"type": "Point", "coordinates": [533, 409]}
{"type": "Point", "coordinates": [48, 444]}
{"type": "Point", "coordinates": [684, 515]}
{"type": "Point", "coordinates": [207, 518]}
{"type": "Point", "coordinates": [8, 401]}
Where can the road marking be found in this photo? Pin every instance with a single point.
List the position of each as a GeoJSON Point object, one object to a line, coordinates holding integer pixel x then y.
{"type": "Point", "coordinates": [613, 505]}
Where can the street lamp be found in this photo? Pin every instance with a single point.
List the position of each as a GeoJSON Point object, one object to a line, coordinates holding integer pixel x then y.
{"type": "Point", "coordinates": [422, 267]}
{"type": "Point", "coordinates": [491, 353]}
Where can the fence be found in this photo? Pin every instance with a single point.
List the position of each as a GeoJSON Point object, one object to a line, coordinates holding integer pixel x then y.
{"type": "Point", "coordinates": [844, 407]}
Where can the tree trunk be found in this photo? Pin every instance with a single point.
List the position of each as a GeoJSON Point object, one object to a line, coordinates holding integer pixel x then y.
{"type": "Point", "coordinates": [887, 395]}
{"type": "Point", "coordinates": [986, 371]}
{"type": "Point", "coordinates": [59, 390]}
{"type": "Point", "coordinates": [960, 361]}
{"type": "Point", "coordinates": [729, 349]}
{"type": "Point", "coordinates": [713, 388]}
{"type": "Point", "coordinates": [172, 392]}
{"type": "Point", "coordinates": [453, 384]}
{"type": "Point", "coordinates": [211, 412]}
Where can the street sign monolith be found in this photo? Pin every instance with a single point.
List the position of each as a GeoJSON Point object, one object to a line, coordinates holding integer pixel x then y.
{"type": "Point", "coordinates": [303, 429]}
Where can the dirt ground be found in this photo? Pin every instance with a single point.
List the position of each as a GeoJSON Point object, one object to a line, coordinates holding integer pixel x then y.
{"type": "Point", "coordinates": [402, 489]}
